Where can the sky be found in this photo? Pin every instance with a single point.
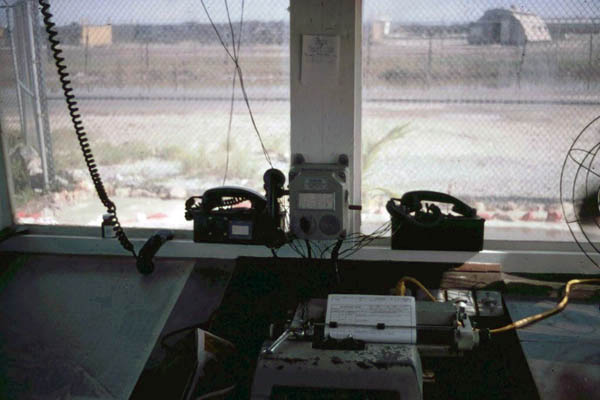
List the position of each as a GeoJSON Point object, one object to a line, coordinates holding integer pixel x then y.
{"type": "Point", "coordinates": [178, 11]}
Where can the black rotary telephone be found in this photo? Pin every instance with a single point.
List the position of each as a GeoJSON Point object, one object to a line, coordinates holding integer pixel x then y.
{"type": "Point", "coordinates": [232, 214]}
{"type": "Point", "coordinates": [417, 224]}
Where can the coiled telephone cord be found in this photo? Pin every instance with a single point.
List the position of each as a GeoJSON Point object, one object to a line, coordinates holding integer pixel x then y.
{"type": "Point", "coordinates": [65, 83]}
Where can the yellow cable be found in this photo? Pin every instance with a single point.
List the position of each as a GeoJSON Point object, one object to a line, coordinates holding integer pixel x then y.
{"type": "Point", "coordinates": [401, 287]}
{"type": "Point", "coordinates": [538, 317]}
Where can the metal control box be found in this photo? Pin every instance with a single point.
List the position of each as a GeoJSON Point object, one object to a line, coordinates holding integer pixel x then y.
{"type": "Point", "coordinates": [318, 201]}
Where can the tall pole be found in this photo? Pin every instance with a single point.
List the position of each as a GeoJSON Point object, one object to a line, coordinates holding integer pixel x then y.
{"type": "Point", "coordinates": [590, 64]}
{"type": "Point", "coordinates": [429, 59]}
{"type": "Point", "coordinates": [13, 48]}
{"type": "Point", "coordinates": [37, 96]}
{"type": "Point", "coordinates": [86, 50]}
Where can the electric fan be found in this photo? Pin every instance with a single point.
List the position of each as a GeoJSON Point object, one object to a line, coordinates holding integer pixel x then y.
{"type": "Point", "coordinates": [580, 189]}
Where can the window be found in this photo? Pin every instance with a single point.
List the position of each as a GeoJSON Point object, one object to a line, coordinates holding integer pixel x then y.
{"type": "Point", "coordinates": [480, 100]}
{"type": "Point", "coordinates": [467, 98]}
{"type": "Point", "coordinates": [154, 87]}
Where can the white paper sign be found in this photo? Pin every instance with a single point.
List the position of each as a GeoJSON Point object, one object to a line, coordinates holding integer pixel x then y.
{"type": "Point", "coordinates": [358, 316]}
{"type": "Point", "coordinates": [320, 59]}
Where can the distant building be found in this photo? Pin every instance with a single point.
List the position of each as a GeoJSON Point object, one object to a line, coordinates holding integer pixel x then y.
{"type": "Point", "coordinates": [509, 27]}
{"type": "Point", "coordinates": [96, 35]}
{"type": "Point", "coordinates": [380, 29]}
{"type": "Point", "coordinates": [561, 28]}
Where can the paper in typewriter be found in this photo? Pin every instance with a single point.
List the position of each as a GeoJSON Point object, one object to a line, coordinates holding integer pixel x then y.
{"type": "Point", "coordinates": [358, 316]}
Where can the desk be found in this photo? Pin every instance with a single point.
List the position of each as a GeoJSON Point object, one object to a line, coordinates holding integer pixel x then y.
{"type": "Point", "coordinates": [85, 326]}
{"type": "Point", "coordinates": [80, 326]}
{"type": "Point", "coordinates": [562, 352]}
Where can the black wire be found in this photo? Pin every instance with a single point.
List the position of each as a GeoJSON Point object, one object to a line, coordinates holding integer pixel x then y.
{"type": "Point", "coordinates": [295, 248]}
{"type": "Point", "coordinates": [235, 54]}
{"type": "Point", "coordinates": [242, 85]}
{"type": "Point", "coordinates": [231, 106]}
{"type": "Point", "coordinates": [334, 258]}
{"type": "Point", "coordinates": [216, 31]}
{"type": "Point", "coordinates": [228, 141]}
{"type": "Point", "coordinates": [308, 248]}
{"type": "Point", "coordinates": [365, 240]}
{"type": "Point", "coordinates": [65, 82]}
{"type": "Point", "coordinates": [318, 249]}
{"type": "Point", "coordinates": [274, 252]}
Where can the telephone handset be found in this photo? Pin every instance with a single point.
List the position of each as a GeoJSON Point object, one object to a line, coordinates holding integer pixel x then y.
{"type": "Point", "coordinates": [418, 225]}
{"type": "Point", "coordinates": [226, 197]}
{"type": "Point", "coordinates": [412, 202]}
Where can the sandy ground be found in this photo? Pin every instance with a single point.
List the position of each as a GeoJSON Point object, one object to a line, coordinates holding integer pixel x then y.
{"type": "Point", "coordinates": [500, 152]}
{"type": "Point", "coordinates": [505, 159]}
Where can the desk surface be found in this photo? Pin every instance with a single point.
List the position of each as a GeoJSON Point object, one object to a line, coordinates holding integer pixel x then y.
{"type": "Point", "coordinates": [562, 352]}
{"type": "Point", "coordinates": [85, 326]}
{"type": "Point", "coordinates": [81, 327]}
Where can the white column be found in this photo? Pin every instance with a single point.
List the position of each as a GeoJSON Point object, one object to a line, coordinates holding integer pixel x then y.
{"type": "Point", "coordinates": [326, 87]}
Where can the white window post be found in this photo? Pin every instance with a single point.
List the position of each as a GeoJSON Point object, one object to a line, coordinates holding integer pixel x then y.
{"type": "Point", "coordinates": [326, 85]}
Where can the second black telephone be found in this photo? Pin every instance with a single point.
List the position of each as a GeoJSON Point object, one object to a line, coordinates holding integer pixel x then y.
{"type": "Point", "coordinates": [418, 224]}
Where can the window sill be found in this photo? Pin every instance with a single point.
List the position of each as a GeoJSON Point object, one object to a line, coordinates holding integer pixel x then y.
{"type": "Point", "coordinates": [514, 256]}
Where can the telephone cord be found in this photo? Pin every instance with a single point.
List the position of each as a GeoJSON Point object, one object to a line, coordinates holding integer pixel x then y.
{"type": "Point", "coordinates": [75, 115]}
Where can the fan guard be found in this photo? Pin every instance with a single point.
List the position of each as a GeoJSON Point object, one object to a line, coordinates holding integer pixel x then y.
{"type": "Point", "coordinates": [580, 189]}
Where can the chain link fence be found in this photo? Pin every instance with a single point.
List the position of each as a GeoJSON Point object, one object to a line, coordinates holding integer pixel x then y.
{"type": "Point", "coordinates": [158, 100]}
{"type": "Point", "coordinates": [478, 100]}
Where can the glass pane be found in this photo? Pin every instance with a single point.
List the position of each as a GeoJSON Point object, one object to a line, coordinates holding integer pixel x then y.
{"type": "Point", "coordinates": [480, 100]}
{"type": "Point", "coordinates": [154, 87]}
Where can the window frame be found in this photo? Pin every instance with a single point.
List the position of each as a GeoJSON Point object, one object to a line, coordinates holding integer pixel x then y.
{"type": "Point", "coordinates": [514, 257]}
{"type": "Point", "coordinates": [64, 239]}
{"type": "Point", "coordinates": [6, 193]}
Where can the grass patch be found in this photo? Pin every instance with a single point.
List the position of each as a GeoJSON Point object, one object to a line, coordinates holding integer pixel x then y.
{"type": "Point", "coordinates": [67, 153]}
{"type": "Point", "coordinates": [203, 160]}
{"type": "Point", "coordinates": [372, 148]}
{"type": "Point", "coordinates": [372, 152]}
{"type": "Point", "coordinates": [242, 164]}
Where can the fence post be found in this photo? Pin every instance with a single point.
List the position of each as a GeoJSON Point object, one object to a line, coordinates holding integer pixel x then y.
{"type": "Point", "coordinates": [590, 64]}
{"type": "Point", "coordinates": [13, 48]}
{"type": "Point", "coordinates": [39, 96]}
{"type": "Point", "coordinates": [85, 52]}
{"type": "Point", "coordinates": [367, 33]}
{"type": "Point", "coordinates": [175, 80]}
{"type": "Point", "coordinates": [429, 59]}
{"type": "Point", "coordinates": [147, 63]}
{"type": "Point", "coordinates": [521, 62]}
